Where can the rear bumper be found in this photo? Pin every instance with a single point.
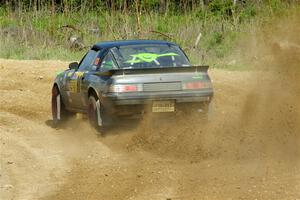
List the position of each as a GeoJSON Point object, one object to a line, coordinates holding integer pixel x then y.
{"type": "Point", "coordinates": [147, 98]}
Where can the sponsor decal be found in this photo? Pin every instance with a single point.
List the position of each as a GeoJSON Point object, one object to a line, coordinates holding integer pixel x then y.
{"type": "Point", "coordinates": [148, 57]}
{"type": "Point", "coordinates": [198, 76]}
{"type": "Point", "coordinates": [75, 82]}
{"type": "Point", "coordinates": [69, 74]}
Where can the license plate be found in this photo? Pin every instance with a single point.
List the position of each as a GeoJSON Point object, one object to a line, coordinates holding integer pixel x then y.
{"type": "Point", "coordinates": [163, 106]}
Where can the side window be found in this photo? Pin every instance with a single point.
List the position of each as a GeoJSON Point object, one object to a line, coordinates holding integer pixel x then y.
{"type": "Point", "coordinates": [87, 61]}
{"type": "Point", "coordinates": [108, 63]}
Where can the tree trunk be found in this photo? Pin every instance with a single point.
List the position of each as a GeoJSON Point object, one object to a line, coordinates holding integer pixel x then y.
{"type": "Point", "coordinates": [125, 7]}
{"type": "Point", "coordinates": [34, 5]}
{"type": "Point", "coordinates": [162, 6]}
{"type": "Point", "coordinates": [137, 9]}
{"type": "Point", "coordinates": [53, 7]}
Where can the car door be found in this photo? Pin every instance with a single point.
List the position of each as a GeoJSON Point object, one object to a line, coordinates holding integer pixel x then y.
{"type": "Point", "coordinates": [89, 78]}
{"type": "Point", "coordinates": [74, 79]}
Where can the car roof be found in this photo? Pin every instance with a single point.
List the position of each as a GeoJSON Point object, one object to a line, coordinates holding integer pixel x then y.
{"type": "Point", "coordinates": [117, 43]}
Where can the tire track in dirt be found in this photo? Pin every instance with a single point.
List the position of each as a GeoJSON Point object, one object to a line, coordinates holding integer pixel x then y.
{"type": "Point", "coordinates": [144, 161]}
{"type": "Point", "coordinates": [27, 159]}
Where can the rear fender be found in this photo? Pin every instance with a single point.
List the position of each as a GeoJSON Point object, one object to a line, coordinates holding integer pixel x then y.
{"type": "Point", "coordinates": [92, 89]}
{"type": "Point", "coordinates": [107, 103]}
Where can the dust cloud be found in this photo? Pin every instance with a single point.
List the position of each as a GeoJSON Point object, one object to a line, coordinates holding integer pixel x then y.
{"type": "Point", "coordinates": [255, 114]}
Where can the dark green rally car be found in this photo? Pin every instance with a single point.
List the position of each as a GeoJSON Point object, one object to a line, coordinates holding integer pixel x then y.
{"type": "Point", "coordinates": [126, 78]}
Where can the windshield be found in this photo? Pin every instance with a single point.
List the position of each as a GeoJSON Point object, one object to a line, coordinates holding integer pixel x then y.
{"type": "Point", "coordinates": [150, 56]}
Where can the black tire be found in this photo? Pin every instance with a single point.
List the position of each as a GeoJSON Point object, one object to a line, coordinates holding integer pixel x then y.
{"type": "Point", "coordinates": [96, 114]}
{"type": "Point", "coordinates": [59, 112]}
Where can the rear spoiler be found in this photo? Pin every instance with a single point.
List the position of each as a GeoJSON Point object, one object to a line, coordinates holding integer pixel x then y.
{"type": "Point", "coordinates": [125, 71]}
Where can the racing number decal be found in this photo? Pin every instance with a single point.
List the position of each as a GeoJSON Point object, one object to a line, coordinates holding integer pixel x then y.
{"type": "Point", "coordinates": [79, 76]}
{"type": "Point", "coordinates": [75, 84]}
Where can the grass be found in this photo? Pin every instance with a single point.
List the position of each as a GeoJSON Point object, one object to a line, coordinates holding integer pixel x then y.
{"type": "Point", "coordinates": [39, 35]}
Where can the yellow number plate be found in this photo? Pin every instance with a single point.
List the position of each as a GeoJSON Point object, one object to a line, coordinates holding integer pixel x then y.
{"type": "Point", "coordinates": [73, 86]}
{"type": "Point", "coordinates": [163, 106]}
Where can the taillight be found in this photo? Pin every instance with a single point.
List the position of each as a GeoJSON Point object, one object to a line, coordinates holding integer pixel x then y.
{"type": "Point", "coordinates": [195, 85]}
{"type": "Point", "coordinates": [125, 88]}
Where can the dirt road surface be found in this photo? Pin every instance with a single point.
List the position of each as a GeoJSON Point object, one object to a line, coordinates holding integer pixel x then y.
{"type": "Point", "coordinates": [249, 150]}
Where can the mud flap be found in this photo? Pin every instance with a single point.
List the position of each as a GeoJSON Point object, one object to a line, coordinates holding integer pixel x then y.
{"type": "Point", "coordinates": [99, 119]}
{"type": "Point", "coordinates": [58, 107]}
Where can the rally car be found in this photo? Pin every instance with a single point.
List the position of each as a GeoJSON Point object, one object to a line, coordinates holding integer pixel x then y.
{"type": "Point", "coordinates": [125, 78]}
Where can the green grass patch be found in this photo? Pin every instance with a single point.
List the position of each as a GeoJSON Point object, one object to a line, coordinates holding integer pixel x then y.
{"type": "Point", "coordinates": [40, 35]}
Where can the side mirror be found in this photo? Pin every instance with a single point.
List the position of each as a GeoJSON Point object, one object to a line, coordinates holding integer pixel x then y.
{"type": "Point", "coordinates": [73, 65]}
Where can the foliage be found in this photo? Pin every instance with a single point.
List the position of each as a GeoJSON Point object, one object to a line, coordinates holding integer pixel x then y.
{"type": "Point", "coordinates": [42, 29]}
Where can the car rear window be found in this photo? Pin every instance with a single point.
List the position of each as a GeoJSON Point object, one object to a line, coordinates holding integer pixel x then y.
{"type": "Point", "coordinates": [150, 56]}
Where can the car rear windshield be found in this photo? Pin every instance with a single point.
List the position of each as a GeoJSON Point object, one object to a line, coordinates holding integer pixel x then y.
{"type": "Point", "coordinates": [150, 56]}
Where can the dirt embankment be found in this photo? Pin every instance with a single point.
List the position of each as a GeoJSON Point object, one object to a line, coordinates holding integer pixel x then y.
{"type": "Point", "coordinates": [249, 150]}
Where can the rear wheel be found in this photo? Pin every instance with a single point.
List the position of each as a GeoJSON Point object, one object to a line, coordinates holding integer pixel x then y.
{"type": "Point", "coordinates": [59, 112]}
{"type": "Point", "coordinates": [96, 114]}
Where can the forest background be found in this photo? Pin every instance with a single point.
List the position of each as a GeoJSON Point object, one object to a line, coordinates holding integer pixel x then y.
{"type": "Point", "coordinates": [208, 30]}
